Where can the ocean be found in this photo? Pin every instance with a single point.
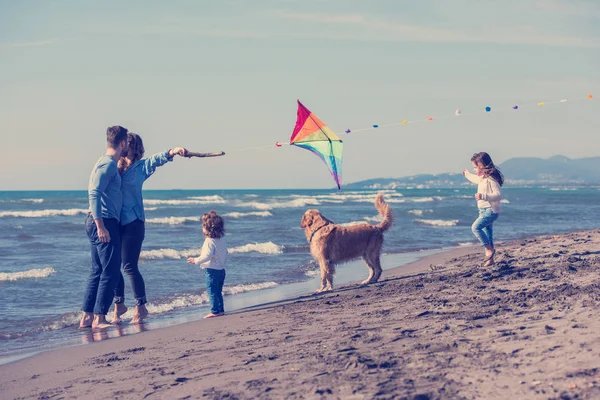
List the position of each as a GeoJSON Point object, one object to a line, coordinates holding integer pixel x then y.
{"type": "Point", "coordinates": [44, 251]}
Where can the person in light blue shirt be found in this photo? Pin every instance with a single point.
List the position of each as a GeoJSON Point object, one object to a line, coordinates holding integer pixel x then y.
{"type": "Point", "coordinates": [102, 228]}
{"type": "Point", "coordinates": [134, 171]}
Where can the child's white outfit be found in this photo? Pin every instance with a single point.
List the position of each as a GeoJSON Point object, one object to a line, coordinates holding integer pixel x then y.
{"type": "Point", "coordinates": [489, 208]}
{"type": "Point", "coordinates": [213, 254]}
{"type": "Point", "coordinates": [212, 259]}
{"type": "Point", "coordinates": [489, 189]}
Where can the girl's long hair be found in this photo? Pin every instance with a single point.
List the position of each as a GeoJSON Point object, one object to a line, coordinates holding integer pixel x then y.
{"type": "Point", "coordinates": [135, 152]}
{"type": "Point", "coordinates": [485, 163]}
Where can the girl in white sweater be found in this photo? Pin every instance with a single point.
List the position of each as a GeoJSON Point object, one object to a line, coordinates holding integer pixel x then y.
{"type": "Point", "coordinates": [489, 179]}
{"type": "Point", "coordinates": [212, 260]}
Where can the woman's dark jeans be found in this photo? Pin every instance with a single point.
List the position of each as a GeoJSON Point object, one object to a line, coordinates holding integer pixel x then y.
{"type": "Point", "coordinates": [215, 278]}
{"type": "Point", "coordinates": [132, 236]}
{"type": "Point", "coordinates": [106, 262]}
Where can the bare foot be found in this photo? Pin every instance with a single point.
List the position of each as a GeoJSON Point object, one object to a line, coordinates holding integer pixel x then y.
{"type": "Point", "coordinates": [100, 322]}
{"type": "Point", "coordinates": [86, 320]}
{"type": "Point", "coordinates": [141, 312]}
{"type": "Point", "coordinates": [211, 315]}
{"type": "Point", "coordinates": [120, 309]}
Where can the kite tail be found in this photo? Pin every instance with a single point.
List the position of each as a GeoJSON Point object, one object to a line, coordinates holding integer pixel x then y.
{"type": "Point", "coordinates": [385, 211]}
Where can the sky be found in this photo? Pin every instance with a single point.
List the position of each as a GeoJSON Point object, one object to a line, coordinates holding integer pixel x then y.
{"type": "Point", "coordinates": [225, 75]}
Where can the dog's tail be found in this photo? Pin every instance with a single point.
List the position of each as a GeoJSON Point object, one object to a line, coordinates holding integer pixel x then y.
{"type": "Point", "coordinates": [385, 211]}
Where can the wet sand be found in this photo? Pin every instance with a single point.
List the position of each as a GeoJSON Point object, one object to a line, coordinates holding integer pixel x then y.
{"type": "Point", "coordinates": [441, 328]}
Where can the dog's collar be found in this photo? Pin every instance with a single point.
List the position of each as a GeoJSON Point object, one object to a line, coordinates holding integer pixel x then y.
{"type": "Point", "coordinates": [315, 231]}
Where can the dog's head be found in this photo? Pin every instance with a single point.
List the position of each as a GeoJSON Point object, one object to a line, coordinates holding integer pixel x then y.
{"type": "Point", "coordinates": [310, 218]}
{"type": "Point", "coordinates": [313, 220]}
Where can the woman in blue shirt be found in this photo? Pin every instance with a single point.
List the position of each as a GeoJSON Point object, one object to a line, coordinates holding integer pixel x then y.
{"type": "Point", "coordinates": [134, 171]}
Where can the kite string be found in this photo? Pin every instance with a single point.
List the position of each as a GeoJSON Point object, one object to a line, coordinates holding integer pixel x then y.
{"type": "Point", "coordinates": [430, 119]}
{"type": "Point", "coordinates": [459, 113]}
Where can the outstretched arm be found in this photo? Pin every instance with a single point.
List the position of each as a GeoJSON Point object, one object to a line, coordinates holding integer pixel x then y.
{"type": "Point", "coordinates": [158, 159]}
{"type": "Point", "coordinates": [472, 177]}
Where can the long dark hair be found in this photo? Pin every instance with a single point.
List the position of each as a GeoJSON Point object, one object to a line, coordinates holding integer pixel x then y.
{"type": "Point", "coordinates": [135, 148]}
{"type": "Point", "coordinates": [485, 163]}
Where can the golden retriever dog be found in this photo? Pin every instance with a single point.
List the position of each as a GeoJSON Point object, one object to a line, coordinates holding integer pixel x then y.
{"type": "Point", "coordinates": [331, 244]}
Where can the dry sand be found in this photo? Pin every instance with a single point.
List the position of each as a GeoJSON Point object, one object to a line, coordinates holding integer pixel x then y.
{"type": "Point", "coordinates": [528, 328]}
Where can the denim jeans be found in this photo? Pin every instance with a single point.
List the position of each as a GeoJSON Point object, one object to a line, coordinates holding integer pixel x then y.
{"type": "Point", "coordinates": [106, 263]}
{"type": "Point", "coordinates": [483, 227]}
{"type": "Point", "coordinates": [132, 236]}
{"type": "Point", "coordinates": [215, 278]}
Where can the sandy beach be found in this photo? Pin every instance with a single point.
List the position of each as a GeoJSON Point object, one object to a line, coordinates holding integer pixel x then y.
{"type": "Point", "coordinates": [441, 328]}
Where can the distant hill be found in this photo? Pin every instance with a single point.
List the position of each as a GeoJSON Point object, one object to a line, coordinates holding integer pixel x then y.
{"type": "Point", "coordinates": [522, 171]}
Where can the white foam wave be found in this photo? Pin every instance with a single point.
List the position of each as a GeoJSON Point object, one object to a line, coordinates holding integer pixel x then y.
{"type": "Point", "coordinates": [173, 254]}
{"type": "Point", "coordinates": [505, 201]}
{"type": "Point", "coordinates": [190, 300]}
{"type": "Point", "coordinates": [419, 212]}
{"type": "Point", "coordinates": [376, 219]}
{"type": "Point", "coordinates": [424, 199]}
{"type": "Point", "coordinates": [437, 222]}
{"type": "Point", "coordinates": [172, 220]}
{"type": "Point", "coordinates": [30, 274]}
{"type": "Point", "coordinates": [36, 201]}
{"type": "Point", "coordinates": [43, 213]}
{"type": "Point", "coordinates": [236, 214]}
{"type": "Point", "coordinates": [188, 201]}
{"type": "Point", "coordinates": [150, 208]}
{"type": "Point", "coordinates": [250, 287]}
{"type": "Point", "coordinates": [464, 244]}
{"type": "Point", "coordinates": [187, 300]}
{"type": "Point", "coordinates": [64, 321]}
{"type": "Point", "coordinates": [264, 248]}
{"type": "Point", "coordinates": [352, 223]}
{"type": "Point", "coordinates": [209, 199]}
{"type": "Point", "coordinates": [301, 202]}
{"type": "Point", "coordinates": [312, 273]}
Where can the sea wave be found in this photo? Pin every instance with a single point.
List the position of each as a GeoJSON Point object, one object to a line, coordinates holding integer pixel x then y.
{"type": "Point", "coordinates": [437, 222]}
{"type": "Point", "coordinates": [43, 213]}
{"type": "Point", "coordinates": [424, 199]}
{"type": "Point", "coordinates": [29, 274]}
{"type": "Point", "coordinates": [311, 273]}
{"type": "Point", "coordinates": [208, 199]}
{"type": "Point", "coordinates": [172, 220]}
{"type": "Point", "coordinates": [36, 201]}
{"type": "Point", "coordinates": [161, 254]}
{"type": "Point", "coordinates": [301, 202]}
{"type": "Point", "coordinates": [419, 212]}
{"type": "Point", "coordinates": [264, 248]}
{"type": "Point", "coordinates": [505, 201]}
{"type": "Point", "coordinates": [186, 202]}
{"type": "Point", "coordinates": [159, 307]}
{"type": "Point", "coordinates": [236, 214]}
{"type": "Point", "coordinates": [464, 244]}
{"type": "Point", "coordinates": [193, 299]}
{"type": "Point", "coordinates": [248, 287]}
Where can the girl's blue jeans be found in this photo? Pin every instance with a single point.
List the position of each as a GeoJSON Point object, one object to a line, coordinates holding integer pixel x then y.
{"type": "Point", "coordinates": [483, 227]}
{"type": "Point", "coordinates": [215, 278]}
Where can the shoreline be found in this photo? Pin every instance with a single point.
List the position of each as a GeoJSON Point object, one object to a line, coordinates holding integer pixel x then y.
{"type": "Point", "coordinates": [441, 327]}
{"type": "Point", "coordinates": [349, 272]}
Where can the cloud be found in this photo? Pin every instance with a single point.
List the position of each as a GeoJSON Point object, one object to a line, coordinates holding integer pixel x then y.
{"type": "Point", "coordinates": [381, 29]}
{"type": "Point", "coordinates": [38, 43]}
{"type": "Point", "coordinates": [581, 8]}
{"type": "Point", "coordinates": [320, 17]}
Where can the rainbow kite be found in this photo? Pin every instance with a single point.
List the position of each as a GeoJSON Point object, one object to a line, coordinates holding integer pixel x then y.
{"type": "Point", "coordinates": [312, 134]}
